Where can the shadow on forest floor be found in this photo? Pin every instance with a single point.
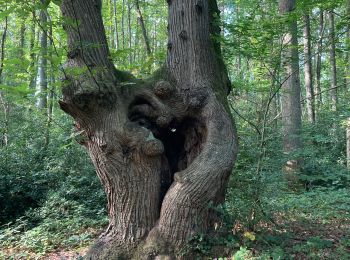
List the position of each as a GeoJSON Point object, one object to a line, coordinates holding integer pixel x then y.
{"type": "Point", "coordinates": [308, 225]}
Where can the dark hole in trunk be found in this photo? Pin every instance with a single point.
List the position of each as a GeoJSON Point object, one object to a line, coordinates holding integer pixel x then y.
{"type": "Point", "coordinates": [182, 142]}
{"type": "Point", "coordinates": [173, 140]}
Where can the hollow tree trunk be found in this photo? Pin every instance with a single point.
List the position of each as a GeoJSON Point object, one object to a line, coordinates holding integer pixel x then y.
{"type": "Point", "coordinates": [162, 148]}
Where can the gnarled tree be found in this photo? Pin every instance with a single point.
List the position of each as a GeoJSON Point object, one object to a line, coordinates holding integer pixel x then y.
{"type": "Point", "coordinates": [163, 147]}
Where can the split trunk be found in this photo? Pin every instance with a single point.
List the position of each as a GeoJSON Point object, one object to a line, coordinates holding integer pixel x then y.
{"type": "Point", "coordinates": [163, 148]}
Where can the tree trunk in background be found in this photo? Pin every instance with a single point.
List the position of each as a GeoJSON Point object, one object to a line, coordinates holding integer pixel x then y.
{"type": "Point", "coordinates": [5, 105]}
{"type": "Point", "coordinates": [42, 70]}
{"type": "Point", "coordinates": [122, 24]}
{"type": "Point", "coordinates": [129, 33]}
{"type": "Point", "coordinates": [332, 58]}
{"type": "Point", "coordinates": [291, 108]}
{"type": "Point", "coordinates": [116, 24]}
{"type": "Point", "coordinates": [112, 29]}
{"type": "Point", "coordinates": [155, 37]}
{"type": "Point", "coordinates": [348, 144]}
{"type": "Point", "coordinates": [50, 96]}
{"type": "Point", "coordinates": [22, 39]}
{"type": "Point", "coordinates": [136, 43]}
{"type": "Point", "coordinates": [32, 74]}
{"type": "Point", "coordinates": [348, 87]}
{"type": "Point", "coordinates": [347, 69]}
{"type": "Point", "coordinates": [239, 56]}
{"type": "Point", "coordinates": [310, 104]}
{"type": "Point", "coordinates": [164, 148]}
{"type": "Point", "coordinates": [319, 60]}
{"type": "Point", "coordinates": [143, 27]}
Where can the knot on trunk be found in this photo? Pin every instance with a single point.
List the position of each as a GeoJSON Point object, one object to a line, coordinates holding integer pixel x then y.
{"type": "Point", "coordinates": [183, 35]}
{"type": "Point", "coordinates": [75, 53]}
{"type": "Point", "coordinates": [163, 89]}
{"type": "Point", "coordinates": [199, 6]}
{"type": "Point", "coordinates": [197, 98]}
{"type": "Point", "coordinates": [153, 147]}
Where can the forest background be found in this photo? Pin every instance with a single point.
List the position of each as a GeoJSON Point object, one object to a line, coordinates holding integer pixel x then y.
{"type": "Point", "coordinates": [51, 200]}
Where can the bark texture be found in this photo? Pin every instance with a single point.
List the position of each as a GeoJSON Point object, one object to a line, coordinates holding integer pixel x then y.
{"type": "Point", "coordinates": [310, 103]}
{"type": "Point", "coordinates": [164, 147]}
{"type": "Point", "coordinates": [291, 108]}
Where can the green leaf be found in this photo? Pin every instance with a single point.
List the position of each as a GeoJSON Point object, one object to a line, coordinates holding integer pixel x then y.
{"type": "Point", "coordinates": [6, 13]}
{"type": "Point", "coordinates": [21, 90]}
{"type": "Point", "coordinates": [57, 2]}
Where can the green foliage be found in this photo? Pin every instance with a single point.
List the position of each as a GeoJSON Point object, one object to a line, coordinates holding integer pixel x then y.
{"type": "Point", "coordinates": [51, 198]}
{"type": "Point", "coordinates": [53, 194]}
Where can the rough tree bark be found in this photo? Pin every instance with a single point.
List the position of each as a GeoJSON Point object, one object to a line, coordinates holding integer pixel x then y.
{"type": "Point", "coordinates": [164, 147]}
{"type": "Point", "coordinates": [310, 99]}
{"type": "Point", "coordinates": [291, 108]}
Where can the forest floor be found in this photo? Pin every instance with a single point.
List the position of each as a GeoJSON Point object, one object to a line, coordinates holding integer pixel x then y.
{"type": "Point", "coordinates": [313, 225]}
{"type": "Point", "coordinates": [290, 238]}
{"type": "Point", "coordinates": [309, 225]}
{"type": "Point", "coordinates": [64, 254]}
{"type": "Point", "coordinates": [302, 238]}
